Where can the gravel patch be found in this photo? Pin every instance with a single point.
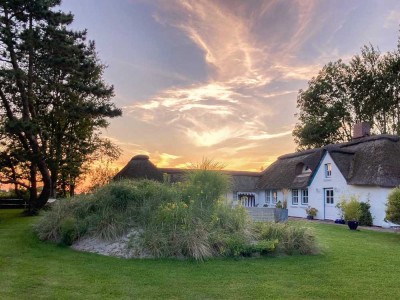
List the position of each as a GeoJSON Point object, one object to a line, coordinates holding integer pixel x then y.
{"type": "Point", "coordinates": [127, 246]}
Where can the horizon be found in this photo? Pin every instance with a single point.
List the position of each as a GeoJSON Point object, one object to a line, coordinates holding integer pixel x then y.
{"type": "Point", "coordinates": [219, 79]}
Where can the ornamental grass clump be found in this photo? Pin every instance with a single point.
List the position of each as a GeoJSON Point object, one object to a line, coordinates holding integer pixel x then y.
{"type": "Point", "coordinates": [190, 219]}
{"type": "Point", "coordinates": [290, 239]}
{"type": "Point", "coordinates": [106, 214]}
{"type": "Point", "coordinates": [393, 206]}
{"type": "Point", "coordinates": [351, 208]}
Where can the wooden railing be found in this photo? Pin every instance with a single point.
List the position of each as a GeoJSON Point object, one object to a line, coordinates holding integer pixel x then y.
{"type": "Point", "coordinates": [12, 203]}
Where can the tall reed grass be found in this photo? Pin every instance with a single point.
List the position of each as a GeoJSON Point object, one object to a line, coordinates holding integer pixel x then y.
{"type": "Point", "coordinates": [187, 219]}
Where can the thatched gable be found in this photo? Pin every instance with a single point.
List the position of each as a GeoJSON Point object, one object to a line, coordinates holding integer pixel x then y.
{"type": "Point", "coordinates": [140, 167]}
{"type": "Point", "coordinates": [372, 160]}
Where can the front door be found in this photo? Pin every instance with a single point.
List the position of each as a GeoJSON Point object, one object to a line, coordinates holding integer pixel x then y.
{"type": "Point", "coordinates": [330, 210]}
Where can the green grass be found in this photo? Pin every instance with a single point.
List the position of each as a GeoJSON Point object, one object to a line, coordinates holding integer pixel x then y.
{"type": "Point", "coordinates": [361, 265]}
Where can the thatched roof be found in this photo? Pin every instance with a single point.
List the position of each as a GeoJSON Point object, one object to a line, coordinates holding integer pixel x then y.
{"type": "Point", "coordinates": [286, 172]}
{"type": "Point", "coordinates": [140, 167]}
{"type": "Point", "coordinates": [372, 160]}
{"type": "Point", "coordinates": [241, 180]}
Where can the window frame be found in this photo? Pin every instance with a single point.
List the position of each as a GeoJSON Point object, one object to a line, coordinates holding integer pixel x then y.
{"type": "Point", "coordinates": [329, 197]}
{"type": "Point", "coordinates": [304, 195]}
{"type": "Point", "coordinates": [268, 196]}
{"type": "Point", "coordinates": [295, 195]}
{"type": "Point", "coordinates": [274, 196]}
{"type": "Point", "coordinates": [328, 170]}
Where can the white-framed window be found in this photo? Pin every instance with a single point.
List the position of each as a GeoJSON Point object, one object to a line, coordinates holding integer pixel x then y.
{"type": "Point", "coordinates": [271, 196]}
{"type": "Point", "coordinates": [304, 197]}
{"type": "Point", "coordinates": [268, 196]}
{"type": "Point", "coordinates": [328, 170]}
{"type": "Point", "coordinates": [329, 196]}
{"type": "Point", "coordinates": [295, 197]}
{"type": "Point", "coordinates": [274, 196]}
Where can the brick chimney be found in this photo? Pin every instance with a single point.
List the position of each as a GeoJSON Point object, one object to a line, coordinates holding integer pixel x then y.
{"type": "Point", "coordinates": [361, 130]}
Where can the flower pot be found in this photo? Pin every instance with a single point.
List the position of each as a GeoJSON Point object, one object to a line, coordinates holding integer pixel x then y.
{"type": "Point", "coordinates": [352, 225]}
{"type": "Point", "coordinates": [340, 221]}
{"type": "Point", "coordinates": [310, 217]}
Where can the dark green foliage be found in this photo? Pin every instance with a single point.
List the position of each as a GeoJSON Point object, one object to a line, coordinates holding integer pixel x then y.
{"type": "Point", "coordinates": [366, 217]}
{"type": "Point", "coordinates": [53, 100]}
{"type": "Point", "coordinates": [290, 239]}
{"type": "Point", "coordinates": [188, 219]}
{"type": "Point", "coordinates": [393, 206]}
{"type": "Point", "coordinates": [342, 94]}
{"type": "Point", "coordinates": [109, 212]}
{"type": "Point", "coordinates": [69, 231]}
{"type": "Point", "coordinates": [40, 270]}
{"type": "Point", "coordinates": [351, 208]}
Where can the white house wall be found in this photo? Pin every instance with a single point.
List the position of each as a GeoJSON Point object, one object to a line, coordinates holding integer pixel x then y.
{"type": "Point", "coordinates": [376, 195]}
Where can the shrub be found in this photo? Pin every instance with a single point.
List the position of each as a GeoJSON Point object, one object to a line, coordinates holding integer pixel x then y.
{"type": "Point", "coordinates": [290, 239]}
{"type": "Point", "coordinates": [69, 231]}
{"type": "Point", "coordinates": [311, 211]}
{"type": "Point", "coordinates": [351, 208]}
{"type": "Point", "coordinates": [188, 219]}
{"type": "Point", "coordinates": [393, 206]}
{"type": "Point", "coordinates": [366, 217]}
{"type": "Point", "coordinates": [48, 227]}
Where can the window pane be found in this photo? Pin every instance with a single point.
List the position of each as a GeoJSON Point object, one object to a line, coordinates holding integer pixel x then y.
{"type": "Point", "coordinates": [304, 197]}
{"type": "Point", "coordinates": [329, 197]}
{"type": "Point", "coordinates": [295, 197]}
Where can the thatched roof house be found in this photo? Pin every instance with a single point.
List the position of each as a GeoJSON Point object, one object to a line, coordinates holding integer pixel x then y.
{"type": "Point", "coordinates": [368, 167]}
{"type": "Point", "coordinates": [140, 167]}
{"type": "Point", "coordinates": [371, 160]}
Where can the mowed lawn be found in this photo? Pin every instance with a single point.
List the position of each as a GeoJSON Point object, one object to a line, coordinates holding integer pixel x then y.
{"type": "Point", "coordinates": [359, 265]}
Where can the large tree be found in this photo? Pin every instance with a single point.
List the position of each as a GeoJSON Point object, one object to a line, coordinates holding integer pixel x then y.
{"type": "Point", "coordinates": [342, 94]}
{"type": "Point", "coordinates": [53, 99]}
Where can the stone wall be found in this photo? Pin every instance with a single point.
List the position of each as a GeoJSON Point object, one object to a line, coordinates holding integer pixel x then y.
{"type": "Point", "coordinates": [265, 214]}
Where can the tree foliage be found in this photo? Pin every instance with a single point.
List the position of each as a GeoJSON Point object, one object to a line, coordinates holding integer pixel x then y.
{"type": "Point", "coordinates": [393, 206]}
{"type": "Point", "coordinates": [53, 98]}
{"type": "Point", "coordinates": [366, 89]}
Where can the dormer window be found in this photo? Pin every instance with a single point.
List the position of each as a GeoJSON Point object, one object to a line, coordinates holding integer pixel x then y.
{"type": "Point", "coordinates": [328, 170]}
{"type": "Point", "coordinates": [302, 169]}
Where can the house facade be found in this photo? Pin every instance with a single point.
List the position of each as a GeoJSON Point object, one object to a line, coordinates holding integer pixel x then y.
{"type": "Point", "coordinates": [368, 167]}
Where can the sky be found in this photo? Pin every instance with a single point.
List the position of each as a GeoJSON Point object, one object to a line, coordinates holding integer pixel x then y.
{"type": "Point", "coordinates": [219, 79]}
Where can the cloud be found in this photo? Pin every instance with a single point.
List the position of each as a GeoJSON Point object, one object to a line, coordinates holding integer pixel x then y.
{"type": "Point", "coordinates": [235, 107]}
{"type": "Point", "coordinates": [164, 159]}
{"type": "Point", "coordinates": [298, 72]}
{"type": "Point", "coordinates": [267, 136]}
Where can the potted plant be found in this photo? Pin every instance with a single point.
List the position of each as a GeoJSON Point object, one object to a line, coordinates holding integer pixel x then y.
{"type": "Point", "coordinates": [341, 219]}
{"type": "Point", "coordinates": [311, 212]}
{"type": "Point", "coordinates": [352, 211]}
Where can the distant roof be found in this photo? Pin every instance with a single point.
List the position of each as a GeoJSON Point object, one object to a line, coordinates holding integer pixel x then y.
{"type": "Point", "coordinates": [372, 160]}
{"type": "Point", "coordinates": [227, 172]}
{"type": "Point", "coordinates": [140, 167]}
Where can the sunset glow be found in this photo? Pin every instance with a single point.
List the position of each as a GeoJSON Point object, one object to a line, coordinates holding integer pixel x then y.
{"type": "Point", "coordinates": [219, 79]}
